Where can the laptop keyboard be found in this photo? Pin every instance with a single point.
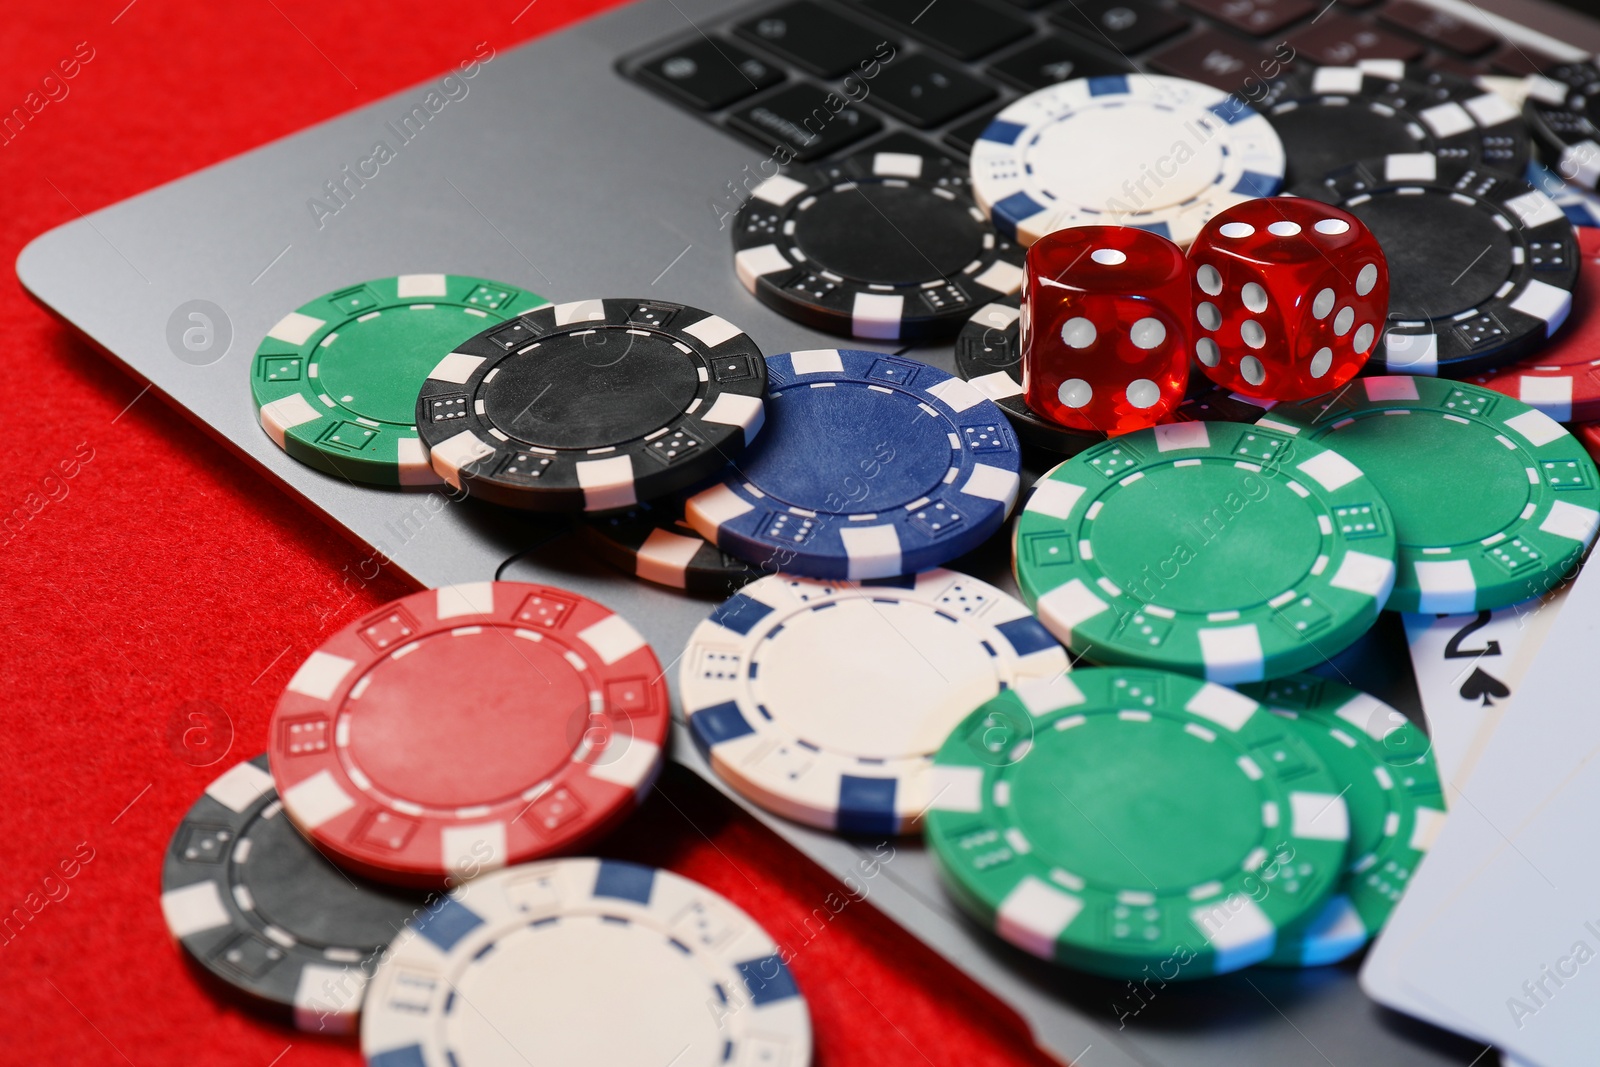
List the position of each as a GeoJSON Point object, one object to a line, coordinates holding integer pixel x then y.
{"type": "Point", "coordinates": [809, 75]}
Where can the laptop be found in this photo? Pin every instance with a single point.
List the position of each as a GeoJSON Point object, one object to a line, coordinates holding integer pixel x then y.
{"type": "Point", "coordinates": [607, 160]}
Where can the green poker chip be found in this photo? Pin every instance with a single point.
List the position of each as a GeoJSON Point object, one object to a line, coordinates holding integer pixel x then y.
{"type": "Point", "coordinates": [1493, 501]}
{"type": "Point", "coordinates": [1391, 787]}
{"type": "Point", "coordinates": [336, 380]}
{"type": "Point", "coordinates": [1135, 823]}
{"type": "Point", "coordinates": [1220, 549]}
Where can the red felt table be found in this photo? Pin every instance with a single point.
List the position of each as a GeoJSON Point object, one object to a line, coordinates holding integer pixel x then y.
{"type": "Point", "coordinates": [146, 572]}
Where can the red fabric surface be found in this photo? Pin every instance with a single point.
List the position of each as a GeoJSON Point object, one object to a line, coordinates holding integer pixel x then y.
{"type": "Point", "coordinates": [144, 570]}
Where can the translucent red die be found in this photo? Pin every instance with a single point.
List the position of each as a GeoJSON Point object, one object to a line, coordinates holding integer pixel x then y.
{"type": "Point", "coordinates": [1290, 297]}
{"type": "Point", "coordinates": [1105, 328]}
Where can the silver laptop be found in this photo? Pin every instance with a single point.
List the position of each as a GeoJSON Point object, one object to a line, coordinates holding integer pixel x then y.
{"type": "Point", "coordinates": [606, 160]}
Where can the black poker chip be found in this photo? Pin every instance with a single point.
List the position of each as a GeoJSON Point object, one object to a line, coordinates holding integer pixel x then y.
{"type": "Point", "coordinates": [1481, 264]}
{"type": "Point", "coordinates": [652, 541]}
{"type": "Point", "coordinates": [1563, 111]}
{"type": "Point", "coordinates": [989, 357]}
{"type": "Point", "coordinates": [1206, 401]}
{"type": "Point", "coordinates": [885, 245]}
{"type": "Point", "coordinates": [1331, 117]}
{"type": "Point", "coordinates": [592, 405]}
{"type": "Point", "coordinates": [260, 910]}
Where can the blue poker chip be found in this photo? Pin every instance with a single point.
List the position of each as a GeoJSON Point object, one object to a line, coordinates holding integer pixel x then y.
{"type": "Point", "coordinates": [870, 466]}
{"type": "Point", "coordinates": [1579, 205]}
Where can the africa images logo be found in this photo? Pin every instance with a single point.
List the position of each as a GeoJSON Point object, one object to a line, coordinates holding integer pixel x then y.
{"type": "Point", "coordinates": [339, 191]}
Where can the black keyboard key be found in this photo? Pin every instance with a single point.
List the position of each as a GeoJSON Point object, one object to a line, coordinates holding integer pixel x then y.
{"type": "Point", "coordinates": [1055, 59]}
{"type": "Point", "coordinates": [962, 137]}
{"type": "Point", "coordinates": [909, 144]}
{"type": "Point", "coordinates": [926, 91]}
{"type": "Point", "coordinates": [1464, 68]}
{"type": "Point", "coordinates": [810, 36]}
{"type": "Point", "coordinates": [1217, 59]}
{"type": "Point", "coordinates": [1439, 27]}
{"type": "Point", "coordinates": [1519, 60]}
{"type": "Point", "coordinates": [1338, 40]}
{"type": "Point", "coordinates": [1122, 25]}
{"type": "Point", "coordinates": [710, 74]}
{"type": "Point", "coordinates": [800, 119]}
{"type": "Point", "coordinates": [1255, 17]}
{"type": "Point", "coordinates": [966, 29]}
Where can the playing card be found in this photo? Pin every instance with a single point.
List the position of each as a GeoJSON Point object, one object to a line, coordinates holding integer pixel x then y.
{"type": "Point", "coordinates": [1514, 951]}
{"type": "Point", "coordinates": [1467, 668]}
{"type": "Point", "coordinates": [1460, 891]}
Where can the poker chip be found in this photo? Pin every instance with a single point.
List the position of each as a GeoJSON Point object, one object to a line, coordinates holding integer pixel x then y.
{"type": "Point", "coordinates": [1492, 502]}
{"type": "Point", "coordinates": [1168, 154]}
{"type": "Point", "coordinates": [884, 245]}
{"type": "Point", "coordinates": [592, 405]}
{"type": "Point", "coordinates": [1588, 435]}
{"type": "Point", "coordinates": [1581, 206]}
{"type": "Point", "coordinates": [1233, 552]}
{"type": "Point", "coordinates": [584, 961]}
{"type": "Point", "coordinates": [1329, 117]}
{"type": "Point", "coordinates": [1391, 788]}
{"type": "Point", "coordinates": [335, 381]}
{"type": "Point", "coordinates": [1131, 822]}
{"type": "Point", "coordinates": [1563, 378]}
{"type": "Point", "coordinates": [825, 702]}
{"type": "Point", "coordinates": [1513, 89]}
{"type": "Point", "coordinates": [1481, 264]}
{"type": "Point", "coordinates": [652, 541]}
{"type": "Point", "coordinates": [1207, 401]}
{"type": "Point", "coordinates": [989, 356]}
{"type": "Point", "coordinates": [466, 728]}
{"type": "Point", "coordinates": [870, 466]}
{"type": "Point", "coordinates": [1561, 113]}
{"type": "Point", "coordinates": [264, 914]}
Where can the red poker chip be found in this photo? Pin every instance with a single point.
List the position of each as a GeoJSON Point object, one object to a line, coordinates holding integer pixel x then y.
{"type": "Point", "coordinates": [1563, 379]}
{"type": "Point", "coordinates": [1588, 435]}
{"type": "Point", "coordinates": [467, 728]}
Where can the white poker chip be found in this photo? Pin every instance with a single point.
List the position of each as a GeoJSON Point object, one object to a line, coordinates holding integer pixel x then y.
{"type": "Point", "coordinates": [824, 702]}
{"type": "Point", "coordinates": [584, 961]}
{"type": "Point", "coordinates": [1163, 154]}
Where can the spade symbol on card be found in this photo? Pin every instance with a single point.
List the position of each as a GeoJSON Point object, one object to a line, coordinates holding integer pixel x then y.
{"type": "Point", "coordinates": [1481, 685]}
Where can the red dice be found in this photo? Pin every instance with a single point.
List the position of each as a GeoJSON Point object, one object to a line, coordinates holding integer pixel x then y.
{"type": "Point", "coordinates": [1290, 297]}
{"type": "Point", "coordinates": [1105, 328]}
